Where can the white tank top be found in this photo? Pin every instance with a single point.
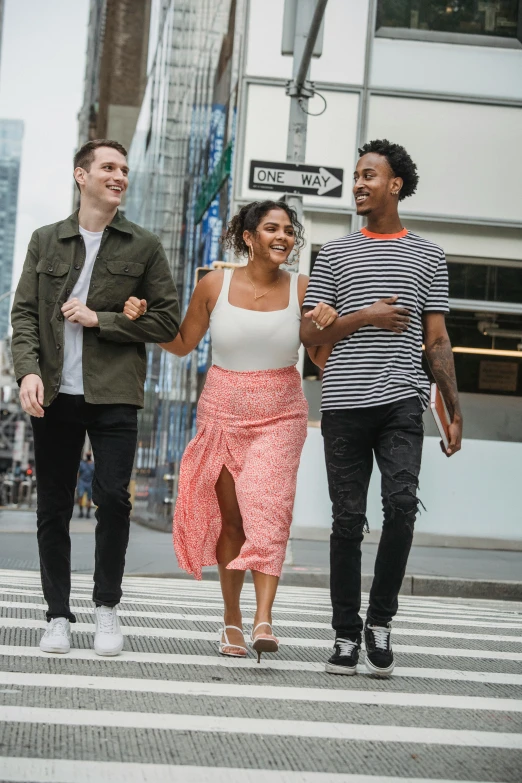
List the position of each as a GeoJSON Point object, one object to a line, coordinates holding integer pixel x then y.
{"type": "Point", "coordinates": [246, 340]}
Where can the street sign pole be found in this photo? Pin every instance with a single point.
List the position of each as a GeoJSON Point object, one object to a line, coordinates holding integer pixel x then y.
{"type": "Point", "coordinates": [308, 18]}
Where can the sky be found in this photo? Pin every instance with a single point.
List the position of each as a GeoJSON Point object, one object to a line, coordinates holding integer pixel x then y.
{"type": "Point", "coordinates": [41, 82]}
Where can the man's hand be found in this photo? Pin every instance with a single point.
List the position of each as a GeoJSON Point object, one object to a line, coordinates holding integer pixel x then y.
{"type": "Point", "coordinates": [32, 395]}
{"type": "Point", "coordinates": [384, 315]}
{"type": "Point", "coordinates": [455, 438]}
{"type": "Point", "coordinates": [322, 315]}
{"type": "Point", "coordinates": [78, 313]}
{"type": "Point", "coordinates": [134, 308]}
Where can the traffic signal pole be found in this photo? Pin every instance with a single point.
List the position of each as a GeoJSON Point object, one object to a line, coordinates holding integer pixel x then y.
{"type": "Point", "coordinates": [308, 18]}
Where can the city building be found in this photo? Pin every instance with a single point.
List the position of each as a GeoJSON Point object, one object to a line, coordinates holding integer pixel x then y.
{"type": "Point", "coordinates": [11, 135]}
{"type": "Point", "coordinates": [1, 25]}
{"type": "Point", "coordinates": [115, 70]}
{"type": "Point", "coordinates": [442, 78]}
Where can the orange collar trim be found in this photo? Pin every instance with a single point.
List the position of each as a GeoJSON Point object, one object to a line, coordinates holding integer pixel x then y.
{"type": "Point", "coordinates": [371, 235]}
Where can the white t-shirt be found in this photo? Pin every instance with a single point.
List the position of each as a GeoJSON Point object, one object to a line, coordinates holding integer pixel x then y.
{"type": "Point", "coordinates": [72, 374]}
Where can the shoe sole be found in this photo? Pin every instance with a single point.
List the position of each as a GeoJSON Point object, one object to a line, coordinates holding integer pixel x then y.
{"type": "Point", "coordinates": [265, 646]}
{"type": "Point", "coordinates": [333, 668]}
{"type": "Point", "coordinates": [375, 671]}
{"type": "Point", "coordinates": [106, 654]}
{"type": "Point", "coordinates": [55, 650]}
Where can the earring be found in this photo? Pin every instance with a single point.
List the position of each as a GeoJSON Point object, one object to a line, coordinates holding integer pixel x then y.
{"type": "Point", "coordinates": [250, 253]}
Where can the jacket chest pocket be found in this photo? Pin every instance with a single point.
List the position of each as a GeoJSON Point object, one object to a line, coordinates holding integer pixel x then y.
{"type": "Point", "coordinates": [51, 279]}
{"type": "Point", "coordinates": [124, 277]}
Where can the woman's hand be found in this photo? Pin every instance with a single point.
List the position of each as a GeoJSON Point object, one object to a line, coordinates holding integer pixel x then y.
{"type": "Point", "coordinates": [134, 308]}
{"type": "Point", "coordinates": [322, 315]}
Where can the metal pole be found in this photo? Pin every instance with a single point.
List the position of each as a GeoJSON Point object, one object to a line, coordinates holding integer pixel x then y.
{"type": "Point", "coordinates": [308, 21]}
{"type": "Point", "coordinates": [365, 94]}
{"type": "Point", "coordinates": [311, 38]}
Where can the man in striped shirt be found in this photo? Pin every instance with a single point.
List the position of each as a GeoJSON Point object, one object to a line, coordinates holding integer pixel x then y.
{"type": "Point", "coordinates": [390, 288]}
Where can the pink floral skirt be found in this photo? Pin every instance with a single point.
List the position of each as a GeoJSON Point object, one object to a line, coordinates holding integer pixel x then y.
{"type": "Point", "coordinates": [254, 424]}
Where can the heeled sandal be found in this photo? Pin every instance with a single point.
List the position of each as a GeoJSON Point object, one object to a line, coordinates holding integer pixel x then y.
{"type": "Point", "coordinates": [264, 642]}
{"type": "Point", "coordinates": [226, 643]}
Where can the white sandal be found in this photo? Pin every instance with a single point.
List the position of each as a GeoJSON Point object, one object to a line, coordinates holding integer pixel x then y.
{"type": "Point", "coordinates": [264, 642]}
{"type": "Point", "coordinates": [226, 643]}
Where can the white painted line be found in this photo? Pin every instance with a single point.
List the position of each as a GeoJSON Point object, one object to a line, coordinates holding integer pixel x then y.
{"type": "Point", "coordinates": [31, 770]}
{"type": "Point", "coordinates": [290, 641]}
{"type": "Point", "coordinates": [218, 618]}
{"type": "Point", "coordinates": [271, 693]}
{"type": "Point", "coordinates": [256, 726]}
{"type": "Point", "coordinates": [472, 617]}
{"type": "Point", "coordinates": [447, 619]}
{"type": "Point", "coordinates": [174, 583]}
{"type": "Point", "coordinates": [178, 659]}
{"type": "Point", "coordinates": [177, 585]}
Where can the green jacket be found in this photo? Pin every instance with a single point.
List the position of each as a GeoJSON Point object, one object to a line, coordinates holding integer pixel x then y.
{"type": "Point", "coordinates": [130, 262]}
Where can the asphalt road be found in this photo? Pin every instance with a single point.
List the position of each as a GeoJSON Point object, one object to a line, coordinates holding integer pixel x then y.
{"type": "Point", "coordinates": [171, 709]}
{"type": "Point", "coordinates": [150, 553]}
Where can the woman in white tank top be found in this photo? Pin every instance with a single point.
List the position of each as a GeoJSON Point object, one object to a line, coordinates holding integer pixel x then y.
{"type": "Point", "coordinates": [237, 477]}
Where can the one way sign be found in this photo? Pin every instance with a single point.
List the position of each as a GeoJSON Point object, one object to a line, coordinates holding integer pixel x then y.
{"type": "Point", "coordinates": [296, 178]}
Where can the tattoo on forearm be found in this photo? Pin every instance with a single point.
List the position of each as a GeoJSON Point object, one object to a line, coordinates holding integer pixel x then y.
{"type": "Point", "coordinates": [440, 358]}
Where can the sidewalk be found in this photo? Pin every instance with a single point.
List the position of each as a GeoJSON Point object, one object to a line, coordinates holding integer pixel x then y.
{"type": "Point", "coordinates": [440, 571]}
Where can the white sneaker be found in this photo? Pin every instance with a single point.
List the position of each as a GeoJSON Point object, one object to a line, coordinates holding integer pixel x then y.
{"type": "Point", "coordinates": [57, 636]}
{"type": "Point", "coordinates": [108, 639]}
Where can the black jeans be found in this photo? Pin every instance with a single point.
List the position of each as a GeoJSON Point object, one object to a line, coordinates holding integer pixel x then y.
{"type": "Point", "coordinates": [58, 442]}
{"type": "Point", "coordinates": [394, 432]}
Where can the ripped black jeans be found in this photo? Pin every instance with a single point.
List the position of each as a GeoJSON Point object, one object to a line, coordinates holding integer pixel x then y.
{"type": "Point", "coordinates": [394, 433]}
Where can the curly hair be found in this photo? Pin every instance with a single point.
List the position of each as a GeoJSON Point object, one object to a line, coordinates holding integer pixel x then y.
{"type": "Point", "coordinates": [249, 217]}
{"type": "Point", "coordinates": [400, 163]}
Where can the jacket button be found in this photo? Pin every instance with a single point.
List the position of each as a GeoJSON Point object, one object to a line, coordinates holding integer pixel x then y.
{"type": "Point", "coordinates": [77, 266]}
{"type": "Point", "coordinates": [67, 292]}
{"type": "Point", "coordinates": [49, 269]}
{"type": "Point", "coordinates": [58, 347]}
{"type": "Point", "coordinates": [59, 317]}
{"type": "Point", "coordinates": [126, 269]}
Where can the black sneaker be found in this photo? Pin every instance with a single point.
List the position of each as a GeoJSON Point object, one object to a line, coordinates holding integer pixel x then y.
{"type": "Point", "coordinates": [379, 654]}
{"type": "Point", "coordinates": [345, 657]}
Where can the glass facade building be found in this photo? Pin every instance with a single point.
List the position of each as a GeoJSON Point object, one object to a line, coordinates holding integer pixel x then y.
{"type": "Point", "coordinates": [181, 163]}
{"type": "Point", "coordinates": [11, 135]}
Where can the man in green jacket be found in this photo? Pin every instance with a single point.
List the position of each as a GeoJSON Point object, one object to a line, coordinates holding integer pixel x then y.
{"type": "Point", "coordinates": [81, 366]}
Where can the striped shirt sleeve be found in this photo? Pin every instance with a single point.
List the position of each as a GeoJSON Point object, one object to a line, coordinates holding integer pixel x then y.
{"type": "Point", "coordinates": [322, 286]}
{"type": "Point", "coordinates": [437, 299]}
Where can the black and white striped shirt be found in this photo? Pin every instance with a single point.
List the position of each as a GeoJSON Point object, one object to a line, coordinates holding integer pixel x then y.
{"type": "Point", "coordinates": [375, 366]}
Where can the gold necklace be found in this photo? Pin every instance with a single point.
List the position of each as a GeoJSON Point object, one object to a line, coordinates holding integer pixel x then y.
{"type": "Point", "coordinates": [258, 296]}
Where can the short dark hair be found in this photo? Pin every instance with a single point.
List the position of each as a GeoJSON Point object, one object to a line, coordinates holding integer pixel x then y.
{"type": "Point", "coordinates": [85, 155]}
{"type": "Point", "coordinates": [249, 217]}
{"type": "Point", "coordinates": [399, 161]}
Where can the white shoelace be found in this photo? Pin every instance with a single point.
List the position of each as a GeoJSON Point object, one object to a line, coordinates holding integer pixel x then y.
{"type": "Point", "coordinates": [57, 627]}
{"type": "Point", "coordinates": [107, 621]}
{"type": "Point", "coordinates": [345, 646]}
{"type": "Point", "coordinates": [381, 636]}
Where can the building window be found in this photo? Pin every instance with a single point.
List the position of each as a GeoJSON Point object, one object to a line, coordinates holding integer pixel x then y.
{"type": "Point", "coordinates": [485, 324]}
{"type": "Point", "coordinates": [449, 20]}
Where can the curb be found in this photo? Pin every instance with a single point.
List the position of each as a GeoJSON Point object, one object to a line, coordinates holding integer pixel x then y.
{"type": "Point", "coordinates": [434, 586]}
{"type": "Point", "coordinates": [439, 586]}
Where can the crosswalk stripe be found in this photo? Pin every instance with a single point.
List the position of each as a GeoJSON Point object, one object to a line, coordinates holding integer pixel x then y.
{"type": "Point", "coordinates": [217, 618]}
{"type": "Point", "coordinates": [178, 659]}
{"type": "Point", "coordinates": [405, 615]}
{"type": "Point", "coordinates": [290, 641]}
{"type": "Point", "coordinates": [265, 692]}
{"type": "Point", "coordinates": [33, 770]}
{"type": "Point", "coordinates": [278, 728]}
{"type": "Point", "coordinates": [210, 589]}
{"type": "Point", "coordinates": [193, 588]}
{"type": "Point", "coordinates": [445, 707]}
